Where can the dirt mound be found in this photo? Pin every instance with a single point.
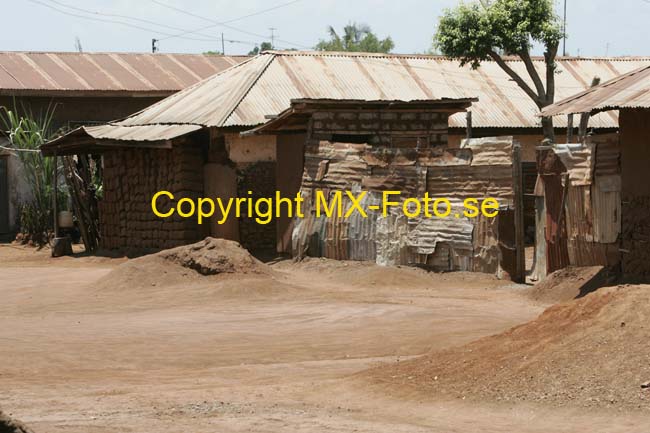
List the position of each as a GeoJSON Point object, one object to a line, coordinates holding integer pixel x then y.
{"type": "Point", "coordinates": [9, 425]}
{"type": "Point", "coordinates": [186, 264]}
{"type": "Point", "coordinates": [589, 352]}
{"type": "Point", "coordinates": [214, 256]}
{"type": "Point", "coordinates": [569, 283]}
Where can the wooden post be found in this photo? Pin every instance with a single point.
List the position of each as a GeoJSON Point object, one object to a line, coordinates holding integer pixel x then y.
{"type": "Point", "coordinates": [520, 251]}
{"type": "Point", "coordinates": [468, 129]}
{"type": "Point", "coordinates": [55, 190]}
{"type": "Point", "coordinates": [584, 117]}
{"type": "Point", "coordinates": [569, 128]}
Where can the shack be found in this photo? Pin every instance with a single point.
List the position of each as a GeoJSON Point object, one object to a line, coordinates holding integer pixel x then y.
{"type": "Point", "coordinates": [399, 147]}
{"type": "Point", "coordinates": [597, 192]}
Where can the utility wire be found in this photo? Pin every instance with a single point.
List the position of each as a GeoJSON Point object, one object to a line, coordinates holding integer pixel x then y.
{"type": "Point", "coordinates": [69, 6]}
{"type": "Point", "coordinates": [114, 21]}
{"type": "Point", "coordinates": [225, 23]}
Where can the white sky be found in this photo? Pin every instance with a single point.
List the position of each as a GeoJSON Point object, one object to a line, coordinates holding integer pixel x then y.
{"type": "Point", "coordinates": [595, 27]}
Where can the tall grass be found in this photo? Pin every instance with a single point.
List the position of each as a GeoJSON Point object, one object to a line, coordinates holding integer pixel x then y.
{"type": "Point", "coordinates": [26, 133]}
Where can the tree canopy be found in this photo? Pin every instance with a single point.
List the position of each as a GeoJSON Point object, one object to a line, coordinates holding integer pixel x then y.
{"type": "Point", "coordinates": [356, 37]}
{"type": "Point", "coordinates": [492, 30]}
{"type": "Point", "coordinates": [264, 46]}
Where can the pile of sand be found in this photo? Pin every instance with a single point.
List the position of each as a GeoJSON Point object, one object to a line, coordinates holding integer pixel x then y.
{"type": "Point", "coordinates": [9, 425]}
{"type": "Point", "coordinates": [569, 283]}
{"type": "Point", "coordinates": [592, 351]}
{"type": "Point", "coordinates": [186, 264]}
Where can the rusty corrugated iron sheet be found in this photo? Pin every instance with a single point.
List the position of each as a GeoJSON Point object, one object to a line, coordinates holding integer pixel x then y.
{"type": "Point", "coordinates": [243, 96]}
{"type": "Point", "coordinates": [454, 243]}
{"type": "Point", "coordinates": [50, 73]}
{"type": "Point", "coordinates": [111, 133]}
{"type": "Point", "coordinates": [582, 187]}
{"type": "Point", "coordinates": [630, 90]}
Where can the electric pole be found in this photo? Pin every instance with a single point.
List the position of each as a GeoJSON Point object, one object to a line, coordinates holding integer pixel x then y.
{"type": "Point", "coordinates": [273, 29]}
{"type": "Point", "coordinates": [154, 45]}
{"type": "Point", "coordinates": [223, 46]}
{"type": "Point", "coordinates": [564, 32]}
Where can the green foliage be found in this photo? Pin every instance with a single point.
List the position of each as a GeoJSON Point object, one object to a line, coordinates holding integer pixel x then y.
{"type": "Point", "coordinates": [26, 134]}
{"type": "Point", "coordinates": [473, 33]}
{"type": "Point", "coordinates": [212, 53]}
{"type": "Point", "coordinates": [264, 46]}
{"type": "Point", "coordinates": [356, 37]}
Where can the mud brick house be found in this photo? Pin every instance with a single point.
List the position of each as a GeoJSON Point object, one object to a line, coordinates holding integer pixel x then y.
{"type": "Point", "coordinates": [88, 89]}
{"type": "Point", "coordinates": [604, 218]}
{"type": "Point", "coordinates": [211, 115]}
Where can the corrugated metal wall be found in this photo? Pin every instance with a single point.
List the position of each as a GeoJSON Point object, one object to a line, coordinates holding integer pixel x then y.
{"type": "Point", "coordinates": [482, 168]}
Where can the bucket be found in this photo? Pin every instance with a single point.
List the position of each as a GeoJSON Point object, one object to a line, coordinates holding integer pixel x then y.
{"type": "Point", "coordinates": [65, 219]}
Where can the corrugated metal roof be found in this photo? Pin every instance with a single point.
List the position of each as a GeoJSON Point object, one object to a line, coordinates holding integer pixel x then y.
{"type": "Point", "coordinates": [43, 73]}
{"type": "Point", "coordinates": [630, 90]}
{"type": "Point", "coordinates": [108, 133]}
{"type": "Point", "coordinates": [265, 85]}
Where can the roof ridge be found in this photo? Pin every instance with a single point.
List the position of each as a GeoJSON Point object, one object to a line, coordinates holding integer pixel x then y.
{"type": "Point", "coordinates": [438, 56]}
{"type": "Point", "coordinates": [247, 88]}
{"type": "Point", "coordinates": [184, 91]}
{"type": "Point", "coordinates": [126, 53]}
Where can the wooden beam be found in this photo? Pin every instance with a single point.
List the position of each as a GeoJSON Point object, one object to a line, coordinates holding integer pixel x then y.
{"type": "Point", "coordinates": [569, 128]}
{"type": "Point", "coordinates": [520, 251]}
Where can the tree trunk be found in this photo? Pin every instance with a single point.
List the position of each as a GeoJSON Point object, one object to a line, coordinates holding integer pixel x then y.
{"type": "Point", "coordinates": [547, 129]}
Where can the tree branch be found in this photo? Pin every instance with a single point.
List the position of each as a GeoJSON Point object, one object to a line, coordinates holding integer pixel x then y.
{"type": "Point", "coordinates": [520, 82]}
{"type": "Point", "coordinates": [534, 75]}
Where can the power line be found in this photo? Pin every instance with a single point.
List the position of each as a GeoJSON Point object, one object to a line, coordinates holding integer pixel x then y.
{"type": "Point", "coordinates": [225, 23]}
{"type": "Point", "coordinates": [69, 6]}
{"type": "Point", "coordinates": [111, 21]}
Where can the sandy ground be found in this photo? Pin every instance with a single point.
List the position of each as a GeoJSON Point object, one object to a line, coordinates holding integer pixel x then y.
{"type": "Point", "coordinates": [250, 353]}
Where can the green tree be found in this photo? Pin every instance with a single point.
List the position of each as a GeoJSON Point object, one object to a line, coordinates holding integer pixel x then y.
{"type": "Point", "coordinates": [264, 46]}
{"type": "Point", "coordinates": [356, 37]}
{"type": "Point", "coordinates": [492, 30]}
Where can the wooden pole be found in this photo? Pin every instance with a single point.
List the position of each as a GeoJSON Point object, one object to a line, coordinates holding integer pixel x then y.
{"type": "Point", "coordinates": [54, 196]}
{"type": "Point", "coordinates": [569, 128]}
{"type": "Point", "coordinates": [469, 124]}
{"type": "Point", "coordinates": [520, 251]}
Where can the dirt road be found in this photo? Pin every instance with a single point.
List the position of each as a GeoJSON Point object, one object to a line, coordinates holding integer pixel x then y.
{"type": "Point", "coordinates": [248, 353]}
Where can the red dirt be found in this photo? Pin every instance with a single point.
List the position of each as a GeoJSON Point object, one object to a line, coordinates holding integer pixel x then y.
{"type": "Point", "coordinates": [256, 352]}
{"type": "Point", "coordinates": [569, 283]}
{"type": "Point", "coordinates": [589, 352]}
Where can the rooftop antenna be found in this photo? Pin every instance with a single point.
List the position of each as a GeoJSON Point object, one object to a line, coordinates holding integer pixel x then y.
{"type": "Point", "coordinates": [564, 32]}
{"type": "Point", "coordinates": [273, 29]}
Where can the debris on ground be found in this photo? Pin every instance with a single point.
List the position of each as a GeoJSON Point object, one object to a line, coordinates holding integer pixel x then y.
{"type": "Point", "coordinates": [9, 425]}
{"type": "Point", "coordinates": [574, 353]}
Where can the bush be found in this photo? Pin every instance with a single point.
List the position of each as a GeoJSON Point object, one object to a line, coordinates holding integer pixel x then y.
{"type": "Point", "coordinates": [26, 134]}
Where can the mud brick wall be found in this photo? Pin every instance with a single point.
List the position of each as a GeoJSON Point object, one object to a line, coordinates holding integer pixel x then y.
{"type": "Point", "coordinates": [389, 128]}
{"type": "Point", "coordinates": [131, 178]}
{"type": "Point", "coordinates": [259, 178]}
{"type": "Point", "coordinates": [635, 237]}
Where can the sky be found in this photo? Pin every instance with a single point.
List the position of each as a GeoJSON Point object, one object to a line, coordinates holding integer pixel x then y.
{"type": "Point", "coordinates": [595, 27]}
